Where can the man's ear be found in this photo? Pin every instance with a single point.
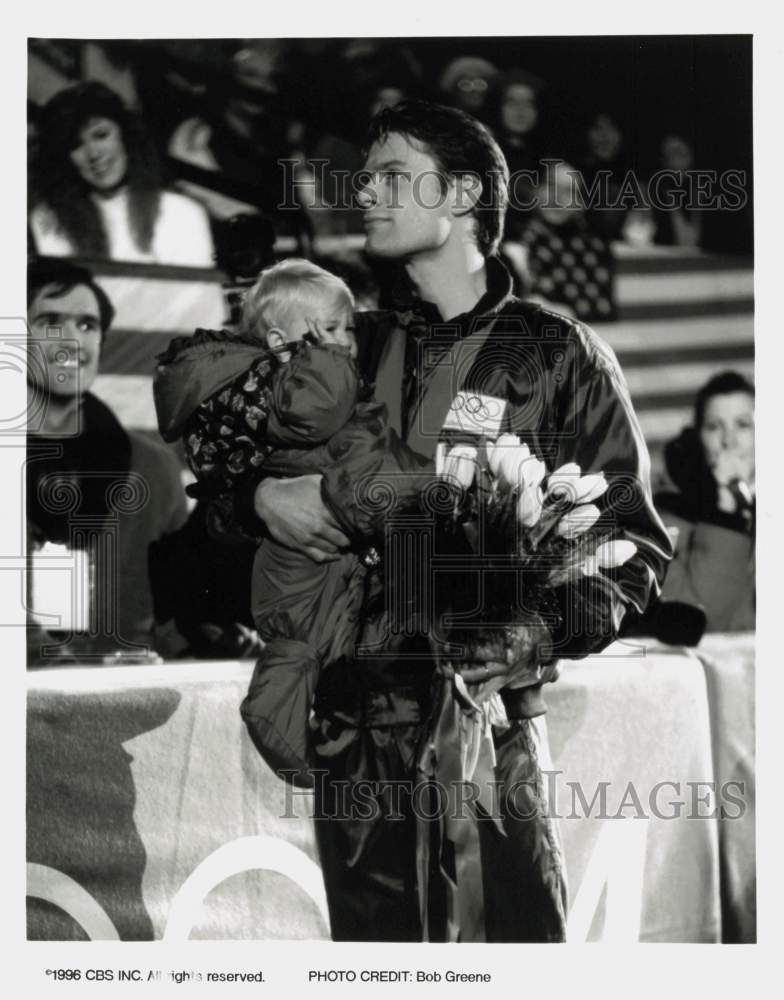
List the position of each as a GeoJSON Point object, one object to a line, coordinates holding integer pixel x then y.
{"type": "Point", "coordinates": [466, 193]}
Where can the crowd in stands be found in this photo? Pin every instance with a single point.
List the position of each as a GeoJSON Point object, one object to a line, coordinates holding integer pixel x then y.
{"type": "Point", "coordinates": [201, 153]}
{"type": "Point", "coordinates": [215, 120]}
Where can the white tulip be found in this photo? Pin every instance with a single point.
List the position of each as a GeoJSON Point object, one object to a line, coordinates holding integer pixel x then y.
{"type": "Point", "coordinates": [513, 465]}
{"type": "Point", "coordinates": [460, 465]}
{"type": "Point", "coordinates": [534, 472]}
{"type": "Point", "coordinates": [591, 566]}
{"type": "Point", "coordinates": [577, 521]}
{"type": "Point", "coordinates": [590, 487]}
{"type": "Point", "coordinates": [567, 483]}
{"type": "Point", "coordinates": [529, 505]}
{"type": "Point", "coordinates": [496, 451]}
{"type": "Point", "coordinates": [615, 553]}
{"type": "Point", "coordinates": [563, 481]}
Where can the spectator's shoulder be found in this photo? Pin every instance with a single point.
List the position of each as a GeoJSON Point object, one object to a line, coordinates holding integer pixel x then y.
{"type": "Point", "coordinates": [43, 218]}
{"type": "Point", "coordinates": [190, 141]}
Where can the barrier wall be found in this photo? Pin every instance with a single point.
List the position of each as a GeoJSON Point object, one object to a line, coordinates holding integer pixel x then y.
{"type": "Point", "coordinates": [150, 815]}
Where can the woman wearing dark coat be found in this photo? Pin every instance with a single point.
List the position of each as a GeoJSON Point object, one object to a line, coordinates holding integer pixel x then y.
{"type": "Point", "coordinates": [710, 499]}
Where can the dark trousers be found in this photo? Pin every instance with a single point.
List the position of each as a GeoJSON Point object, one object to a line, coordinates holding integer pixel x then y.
{"type": "Point", "coordinates": [366, 834]}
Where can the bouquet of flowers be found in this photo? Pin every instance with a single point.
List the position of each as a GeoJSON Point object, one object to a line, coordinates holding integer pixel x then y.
{"type": "Point", "coordinates": [515, 532]}
{"type": "Point", "coordinates": [525, 531]}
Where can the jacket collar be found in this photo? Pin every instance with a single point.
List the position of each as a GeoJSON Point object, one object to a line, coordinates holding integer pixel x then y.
{"type": "Point", "coordinates": [414, 313]}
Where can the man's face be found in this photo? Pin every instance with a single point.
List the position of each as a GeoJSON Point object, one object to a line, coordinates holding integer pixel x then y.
{"type": "Point", "coordinates": [65, 334]}
{"type": "Point", "coordinates": [406, 208]}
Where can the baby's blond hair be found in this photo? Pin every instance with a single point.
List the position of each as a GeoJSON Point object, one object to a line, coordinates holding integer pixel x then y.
{"type": "Point", "coordinates": [283, 284]}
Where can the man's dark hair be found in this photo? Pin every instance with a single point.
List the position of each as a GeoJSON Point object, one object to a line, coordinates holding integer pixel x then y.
{"type": "Point", "coordinates": [719, 385]}
{"type": "Point", "coordinates": [62, 275]}
{"type": "Point", "coordinates": [459, 145]}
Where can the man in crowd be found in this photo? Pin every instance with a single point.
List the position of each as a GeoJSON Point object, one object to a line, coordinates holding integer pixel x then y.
{"type": "Point", "coordinates": [435, 203]}
{"type": "Point", "coordinates": [92, 487]}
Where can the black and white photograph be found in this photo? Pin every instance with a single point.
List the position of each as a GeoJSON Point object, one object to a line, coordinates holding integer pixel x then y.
{"type": "Point", "coordinates": [385, 553]}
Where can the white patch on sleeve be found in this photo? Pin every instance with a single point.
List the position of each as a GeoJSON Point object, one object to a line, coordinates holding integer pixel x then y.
{"type": "Point", "coordinates": [476, 414]}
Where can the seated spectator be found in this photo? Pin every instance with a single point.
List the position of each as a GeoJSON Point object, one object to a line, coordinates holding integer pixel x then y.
{"type": "Point", "coordinates": [230, 152]}
{"type": "Point", "coordinates": [374, 78]}
{"type": "Point", "coordinates": [371, 74]}
{"type": "Point", "coordinates": [603, 167]}
{"type": "Point", "coordinates": [514, 123]}
{"type": "Point", "coordinates": [115, 498]}
{"type": "Point", "coordinates": [679, 225]}
{"type": "Point", "coordinates": [710, 504]}
{"type": "Point", "coordinates": [98, 189]}
{"type": "Point", "coordinates": [517, 117]}
{"type": "Point", "coordinates": [571, 266]}
{"type": "Point", "coordinates": [91, 485]}
{"type": "Point", "coordinates": [467, 83]}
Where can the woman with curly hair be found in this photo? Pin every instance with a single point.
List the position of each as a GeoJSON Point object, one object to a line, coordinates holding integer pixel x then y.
{"type": "Point", "coordinates": [98, 187]}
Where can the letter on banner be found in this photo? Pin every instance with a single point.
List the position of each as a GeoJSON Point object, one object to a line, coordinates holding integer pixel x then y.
{"type": "Point", "coordinates": [617, 861]}
{"type": "Point", "coordinates": [241, 855]}
{"type": "Point", "coordinates": [60, 889]}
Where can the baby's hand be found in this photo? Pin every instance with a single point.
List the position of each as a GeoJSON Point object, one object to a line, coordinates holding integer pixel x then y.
{"type": "Point", "coordinates": [317, 330]}
{"type": "Point", "coordinates": [340, 334]}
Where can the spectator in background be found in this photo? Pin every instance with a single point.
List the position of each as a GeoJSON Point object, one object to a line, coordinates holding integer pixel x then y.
{"type": "Point", "coordinates": [118, 483]}
{"type": "Point", "coordinates": [373, 74]}
{"type": "Point", "coordinates": [159, 582]}
{"type": "Point", "coordinates": [680, 225]}
{"type": "Point", "coordinates": [517, 117]}
{"type": "Point", "coordinates": [467, 83]}
{"type": "Point", "coordinates": [98, 189]}
{"type": "Point", "coordinates": [603, 165]}
{"type": "Point", "coordinates": [710, 503]}
{"type": "Point", "coordinates": [514, 123]}
{"type": "Point", "coordinates": [233, 147]}
{"type": "Point", "coordinates": [380, 77]}
{"type": "Point", "coordinates": [569, 263]}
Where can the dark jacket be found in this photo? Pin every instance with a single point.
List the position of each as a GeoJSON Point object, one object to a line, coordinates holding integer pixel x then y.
{"type": "Point", "coordinates": [714, 564]}
{"type": "Point", "coordinates": [565, 396]}
{"type": "Point", "coordinates": [101, 484]}
{"type": "Point", "coordinates": [567, 399]}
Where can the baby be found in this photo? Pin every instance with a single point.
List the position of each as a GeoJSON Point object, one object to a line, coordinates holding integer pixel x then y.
{"type": "Point", "coordinates": [282, 397]}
